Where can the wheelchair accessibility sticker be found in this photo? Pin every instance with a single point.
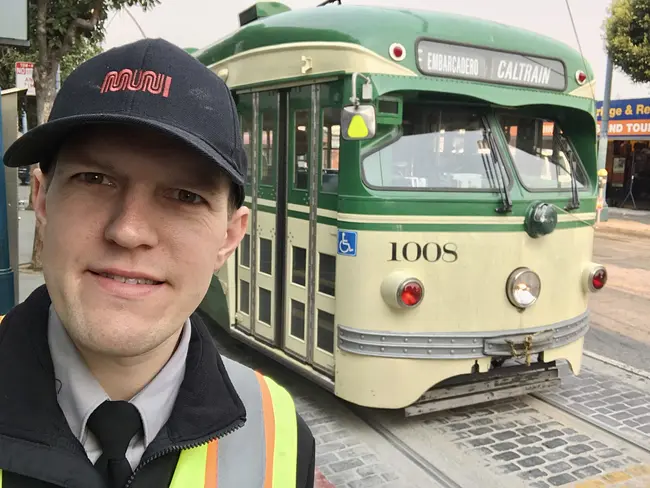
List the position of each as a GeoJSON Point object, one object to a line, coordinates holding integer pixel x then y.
{"type": "Point", "coordinates": [347, 243]}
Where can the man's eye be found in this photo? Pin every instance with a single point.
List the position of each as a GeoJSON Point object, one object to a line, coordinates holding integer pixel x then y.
{"type": "Point", "coordinates": [187, 196]}
{"type": "Point", "coordinates": [93, 178]}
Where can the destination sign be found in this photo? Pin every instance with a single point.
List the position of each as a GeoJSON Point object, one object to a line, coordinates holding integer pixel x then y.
{"type": "Point", "coordinates": [472, 63]}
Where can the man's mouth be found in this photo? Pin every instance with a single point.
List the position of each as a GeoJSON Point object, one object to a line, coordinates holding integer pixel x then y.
{"type": "Point", "coordinates": [130, 280]}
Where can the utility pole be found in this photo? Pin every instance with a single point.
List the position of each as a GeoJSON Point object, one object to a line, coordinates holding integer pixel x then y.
{"type": "Point", "coordinates": [604, 125]}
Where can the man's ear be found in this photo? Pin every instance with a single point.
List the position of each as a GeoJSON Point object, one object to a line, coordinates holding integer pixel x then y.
{"type": "Point", "coordinates": [234, 234]}
{"type": "Point", "coordinates": [38, 196]}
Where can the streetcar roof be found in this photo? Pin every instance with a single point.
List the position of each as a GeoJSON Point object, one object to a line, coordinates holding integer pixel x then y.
{"type": "Point", "coordinates": [361, 24]}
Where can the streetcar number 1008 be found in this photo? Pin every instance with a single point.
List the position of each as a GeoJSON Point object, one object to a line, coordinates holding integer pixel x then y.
{"type": "Point", "coordinates": [431, 252]}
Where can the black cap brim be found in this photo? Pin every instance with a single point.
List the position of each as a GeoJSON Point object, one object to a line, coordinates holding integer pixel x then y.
{"type": "Point", "coordinates": [40, 144]}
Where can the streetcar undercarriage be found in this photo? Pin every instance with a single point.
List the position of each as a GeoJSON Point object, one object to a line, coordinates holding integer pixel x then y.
{"type": "Point", "coordinates": [498, 383]}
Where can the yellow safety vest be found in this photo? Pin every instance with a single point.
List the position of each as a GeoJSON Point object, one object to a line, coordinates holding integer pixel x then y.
{"type": "Point", "coordinates": [261, 454]}
{"type": "Point", "coordinates": [271, 433]}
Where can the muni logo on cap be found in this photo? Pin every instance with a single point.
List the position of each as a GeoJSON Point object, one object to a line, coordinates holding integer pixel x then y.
{"type": "Point", "coordinates": [138, 80]}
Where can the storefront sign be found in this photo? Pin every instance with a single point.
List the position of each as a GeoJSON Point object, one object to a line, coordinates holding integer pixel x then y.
{"type": "Point", "coordinates": [627, 118]}
{"type": "Point", "coordinates": [474, 63]}
{"type": "Point", "coordinates": [628, 128]}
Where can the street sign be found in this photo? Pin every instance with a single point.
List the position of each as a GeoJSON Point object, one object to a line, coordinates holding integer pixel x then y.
{"type": "Point", "coordinates": [25, 77]}
{"type": "Point", "coordinates": [13, 23]}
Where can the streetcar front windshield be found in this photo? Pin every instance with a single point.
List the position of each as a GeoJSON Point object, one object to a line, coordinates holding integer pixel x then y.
{"type": "Point", "coordinates": [542, 154]}
{"type": "Point", "coordinates": [436, 148]}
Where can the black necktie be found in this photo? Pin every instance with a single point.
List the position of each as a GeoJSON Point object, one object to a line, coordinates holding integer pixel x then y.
{"type": "Point", "coordinates": [114, 423]}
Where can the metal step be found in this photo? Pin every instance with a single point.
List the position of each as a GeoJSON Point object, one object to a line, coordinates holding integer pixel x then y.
{"type": "Point", "coordinates": [485, 390]}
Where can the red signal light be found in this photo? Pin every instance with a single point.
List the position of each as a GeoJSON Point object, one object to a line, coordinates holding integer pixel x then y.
{"type": "Point", "coordinates": [581, 77]}
{"type": "Point", "coordinates": [397, 52]}
{"type": "Point", "coordinates": [411, 293]}
{"type": "Point", "coordinates": [599, 279]}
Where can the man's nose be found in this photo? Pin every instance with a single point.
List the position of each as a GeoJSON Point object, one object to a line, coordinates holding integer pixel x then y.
{"type": "Point", "coordinates": [133, 221]}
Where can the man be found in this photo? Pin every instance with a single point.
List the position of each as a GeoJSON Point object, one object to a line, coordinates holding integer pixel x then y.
{"type": "Point", "coordinates": [107, 376]}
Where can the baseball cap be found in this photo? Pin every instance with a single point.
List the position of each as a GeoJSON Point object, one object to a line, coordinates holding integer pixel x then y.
{"type": "Point", "coordinates": [148, 83]}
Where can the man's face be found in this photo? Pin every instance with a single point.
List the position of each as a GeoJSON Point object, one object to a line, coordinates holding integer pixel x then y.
{"type": "Point", "coordinates": [125, 204]}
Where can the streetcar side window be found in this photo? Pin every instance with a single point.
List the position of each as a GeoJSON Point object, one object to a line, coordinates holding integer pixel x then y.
{"type": "Point", "coordinates": [435, 148]}
{"type": "Point", "coordinates": [541, 153]}
{"type": "Point", "coordinates": [245, 251]}
{"type": "Point", "coordinates": [301, 150]}
{"type": "Point", "coordinates": [298, 319]}
{"type": "Point", "coordinates": [267, 167]}
{"type": "Point", "coordinates": [246, 125]}
{"type": "Point", "coordinates": [325, 338]}
{"type": "Point", "coordinates": [330, 152]}
{"type": "Point", "coordinates": [327, 274]}
{"type": "Point", "coordinates": [299, 268]}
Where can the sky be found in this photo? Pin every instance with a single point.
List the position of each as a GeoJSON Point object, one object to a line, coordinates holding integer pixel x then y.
{"type": "Point", "coordinates": [196, 23]}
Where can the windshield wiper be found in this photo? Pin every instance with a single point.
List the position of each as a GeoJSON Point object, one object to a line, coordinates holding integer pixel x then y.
{"type": "Point", "coordinates": [499, 171]}
{"type": "Point", "coordinates": [575, 200]}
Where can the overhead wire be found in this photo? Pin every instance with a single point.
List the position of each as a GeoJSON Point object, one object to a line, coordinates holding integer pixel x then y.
{"type": "Point", "coordinates": [584, 61]}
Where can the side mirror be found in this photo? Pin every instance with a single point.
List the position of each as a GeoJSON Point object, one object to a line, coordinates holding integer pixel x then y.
{"type": "Point", "coordinates": [358, 122]}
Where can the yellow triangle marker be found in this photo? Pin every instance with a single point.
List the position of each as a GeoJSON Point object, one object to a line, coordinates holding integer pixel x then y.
{"type": "Point", "coordinates": [357, 128]}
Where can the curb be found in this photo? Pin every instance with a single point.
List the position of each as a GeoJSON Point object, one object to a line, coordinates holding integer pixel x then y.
{"type": "Point", "coordinates": [618, 364]}
{"type": "Point", "coordinates": [623, 227]}
{"type": "Point", "coordinates": [604, 231]}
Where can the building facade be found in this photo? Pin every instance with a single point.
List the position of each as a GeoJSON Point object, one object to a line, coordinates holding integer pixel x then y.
{"type": "Point", "coordinates": [628, 153]}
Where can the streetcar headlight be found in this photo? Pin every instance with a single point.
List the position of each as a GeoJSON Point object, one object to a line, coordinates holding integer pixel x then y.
{"type": "Point", "coordinates": [401, 290]}
{"type": "Point", "coordinates": [523, 287]}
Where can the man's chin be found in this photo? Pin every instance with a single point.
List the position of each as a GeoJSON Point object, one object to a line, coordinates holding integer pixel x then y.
{"type": "Point", "coordinates": [119, 334]}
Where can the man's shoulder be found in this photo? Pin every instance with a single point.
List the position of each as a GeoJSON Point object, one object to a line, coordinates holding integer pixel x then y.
{"type": "Point", "coordinates": [240, 373]}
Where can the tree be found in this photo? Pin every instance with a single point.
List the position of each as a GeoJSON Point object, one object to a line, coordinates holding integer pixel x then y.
{"type": "Point", "coordinates": [64, 33]}
{"type": "Point", "coordinates": [627, 37]}
{"type": "Point", "coordinates": [83, 50]}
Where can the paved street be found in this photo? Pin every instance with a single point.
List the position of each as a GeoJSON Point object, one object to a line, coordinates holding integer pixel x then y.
{"type": "Point", "coordinates": [629, 214]}
{"type": "Point", "coordinates": [619, 314]}
{"type": "Point", "coordinates": [593, 432]}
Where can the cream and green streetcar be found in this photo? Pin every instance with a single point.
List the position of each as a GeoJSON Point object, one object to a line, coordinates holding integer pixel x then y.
{"type": "Point", "coordinates": [422, 190]}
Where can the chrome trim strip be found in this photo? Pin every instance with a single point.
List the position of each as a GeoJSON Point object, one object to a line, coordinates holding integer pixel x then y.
{"type": "Point", "coordinates": [255, 136]}
{"type": "Point", "coordinates": [468, 345]}
{"type": "Point", "coordinates": [314, 168]}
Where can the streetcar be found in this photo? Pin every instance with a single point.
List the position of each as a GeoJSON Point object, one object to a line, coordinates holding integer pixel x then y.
{"type": "Point", "coordinates": [422, 190]}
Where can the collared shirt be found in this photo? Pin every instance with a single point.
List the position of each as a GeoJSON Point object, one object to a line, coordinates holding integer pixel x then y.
{"type": "Point", "coordinates": [79, 393]}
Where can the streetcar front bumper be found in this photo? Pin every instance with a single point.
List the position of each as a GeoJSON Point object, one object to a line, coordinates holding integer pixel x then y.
{"type": "Point", "coordinates": [467, 345]}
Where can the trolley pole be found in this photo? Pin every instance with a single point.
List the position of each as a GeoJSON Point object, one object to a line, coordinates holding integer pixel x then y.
{"type": "Point", "coordinates": [602, 141]}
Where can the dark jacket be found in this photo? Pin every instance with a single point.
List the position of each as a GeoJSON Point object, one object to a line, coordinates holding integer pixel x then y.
{"type": "Point", "coordinates": [38, 449]}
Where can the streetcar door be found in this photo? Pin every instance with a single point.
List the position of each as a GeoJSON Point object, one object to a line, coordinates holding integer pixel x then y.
{"type": "Point", "coordinates": [312, 194]}
{"type": "Point", "coordinates": [296, 333]}
{"type": "Point", "coordinates": [244, 261]}
{"type": "Point", "coordinates": [326, 229]}
{"type": "Point", "coordinates": [266, 105]}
